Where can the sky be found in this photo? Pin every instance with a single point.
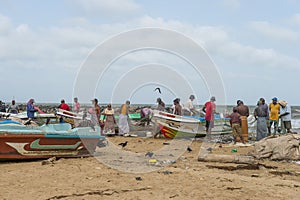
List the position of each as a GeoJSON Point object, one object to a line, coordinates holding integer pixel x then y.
{"type": "Point", "coordinates": [254, 46]}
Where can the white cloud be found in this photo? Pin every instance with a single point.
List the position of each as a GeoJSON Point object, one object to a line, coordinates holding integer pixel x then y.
{"type": "Point", "coordinates": [275, 32]}
{"type": "Point", "coordinates": [73, 43]}
{"type": "Point", "coordinates": [64, 47]}
{"type": "Point", "coordinates": [111, 8]}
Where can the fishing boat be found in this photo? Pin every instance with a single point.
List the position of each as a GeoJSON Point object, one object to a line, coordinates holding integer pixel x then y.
{"type": "Point", "coordinates": [23, 115]}
{"type": "Point", "coordinates": [172, 126]}
{"type": "Point", "coordinates": [18, 141]}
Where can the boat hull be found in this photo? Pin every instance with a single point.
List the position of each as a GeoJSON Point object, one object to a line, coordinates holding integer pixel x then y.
{"type": "Point", "coordinates": [25, 143]}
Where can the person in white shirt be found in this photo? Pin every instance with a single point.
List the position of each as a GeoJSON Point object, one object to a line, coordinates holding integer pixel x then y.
{"type": "Point", "coordinates": [285, 115]}
{"type": "Point", "coordinates": [188, 108]}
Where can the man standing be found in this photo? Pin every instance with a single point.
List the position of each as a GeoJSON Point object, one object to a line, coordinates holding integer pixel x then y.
{"type": "Point", "coordinates": [274, 109]}
{"type": "Point", "coordinates": [285, 115]}
{"type": "Point", "coordinates": [261, 116]}
{"type": "Point", "coordinates": [242, 109]}
{"type": "Point", "coordinates": [209, 109]}
{"type": "Point", "coordinates": [76, 105]}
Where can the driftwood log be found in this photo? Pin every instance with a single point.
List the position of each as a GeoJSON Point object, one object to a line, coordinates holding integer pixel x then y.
{"type": "Point", "coordinates": [227, 159]}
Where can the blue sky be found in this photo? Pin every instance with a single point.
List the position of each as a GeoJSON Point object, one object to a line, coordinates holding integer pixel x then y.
{"type": "Point", "coordinates": [254, 44]}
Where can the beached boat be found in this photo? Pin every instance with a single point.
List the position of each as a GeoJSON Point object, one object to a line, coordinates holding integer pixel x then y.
{"type": "Point", "coordinates": [23, 115]}
{"type": "Point", "coordinates": [25, 142]}
{"type": "Point", "coordinates": [172, 126]}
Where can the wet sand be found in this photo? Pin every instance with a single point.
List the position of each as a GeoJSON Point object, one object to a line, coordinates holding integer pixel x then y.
{"type": "Point", "coordinates": [88, 178]}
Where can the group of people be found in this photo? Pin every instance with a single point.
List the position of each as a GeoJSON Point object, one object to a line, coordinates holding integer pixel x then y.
{"type": "Point", "coordinates": [267, 116]}
{"type": "Point", "coordinates": [13, 108]}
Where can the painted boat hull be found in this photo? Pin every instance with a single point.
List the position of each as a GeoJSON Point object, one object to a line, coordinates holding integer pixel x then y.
{"type": "Point", "coordinates": [171, 132]}
{"type": "Point", "coordinates": [174, 126]}
{"type": "Point", "coordinates": [44, 142]}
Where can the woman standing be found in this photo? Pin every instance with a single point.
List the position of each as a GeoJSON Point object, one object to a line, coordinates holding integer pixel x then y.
{"type": "Point", "coordinates": [109, 117]}
{"type": "Point", "coordinates": [123, 119]}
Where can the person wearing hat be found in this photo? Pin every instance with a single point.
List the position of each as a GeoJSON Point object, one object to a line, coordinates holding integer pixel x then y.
{"type": "Point", "coordinates": [209, 109]}
{"type": "Point", "coordinates": [274, 109]}
{"type": "Point", "coordinates": [286, 116]}
{"type": "Point", "coordinates": [189, 108]}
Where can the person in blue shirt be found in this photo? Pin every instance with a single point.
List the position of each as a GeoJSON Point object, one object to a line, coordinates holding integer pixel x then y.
{"type": "Point", "coordinates": [31, 109]}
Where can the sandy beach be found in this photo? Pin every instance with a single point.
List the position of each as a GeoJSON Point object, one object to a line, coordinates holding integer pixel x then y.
{"type": "Point", "coordinates": [88, 178]}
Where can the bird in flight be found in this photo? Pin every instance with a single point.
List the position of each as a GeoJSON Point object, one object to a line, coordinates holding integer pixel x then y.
{"type": "Point", "coordinates": [123, 144]}
{"type": "Point", "coordinates": [158, 90]}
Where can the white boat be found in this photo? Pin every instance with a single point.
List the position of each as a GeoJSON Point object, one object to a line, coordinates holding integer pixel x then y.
{"type": "Point", "coordinates": [171, 125]}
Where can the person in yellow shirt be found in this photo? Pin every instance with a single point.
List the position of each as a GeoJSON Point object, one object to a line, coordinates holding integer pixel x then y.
{"type": "Point", "coordinates": [274, 108]}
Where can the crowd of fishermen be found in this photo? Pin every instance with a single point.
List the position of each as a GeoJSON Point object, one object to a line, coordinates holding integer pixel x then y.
{"type": "Point", "coordinates": [267, 116]}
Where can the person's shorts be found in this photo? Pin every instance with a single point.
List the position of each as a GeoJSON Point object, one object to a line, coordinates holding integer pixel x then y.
{"type": "Point", "coordinates": [271, 122]}
{"type": "Point", "coordinates": [287, 124]}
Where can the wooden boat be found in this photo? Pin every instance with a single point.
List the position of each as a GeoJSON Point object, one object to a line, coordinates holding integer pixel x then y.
{"type": "Point", "coordinates": [23, 115]}
{"type": "Point", "coordinates": [24, 142]}
{"type": "Point", "coordinates": [170, 131]}
{"type": "Point", "coordinates": [172, 126]}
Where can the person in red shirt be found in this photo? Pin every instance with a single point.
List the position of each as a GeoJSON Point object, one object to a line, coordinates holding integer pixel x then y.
{"type": "Point", "coordinates": [63, 105]}
{"type": "Point", "coordinates": [209, 109]}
